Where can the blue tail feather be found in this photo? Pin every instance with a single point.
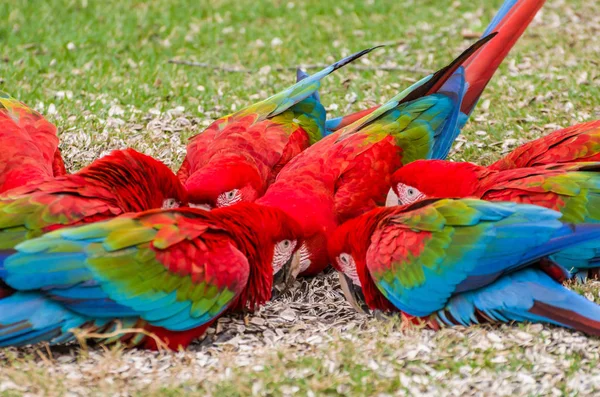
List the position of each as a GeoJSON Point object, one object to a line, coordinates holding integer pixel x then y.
{"type": "Point", "coordinates": [502, 12]}
{"type": "Point", "coordinates": [29, 317]}
{"type": "Point", "coordinates": [526, 295]}
{"type": "Point", "coordinates": [301, 75]}
{"type": "Point", "coordinates": [455, 89]}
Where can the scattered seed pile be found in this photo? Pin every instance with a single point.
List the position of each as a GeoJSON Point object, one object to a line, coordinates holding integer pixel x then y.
{"type": "Point", "coordinates": [312, 341]}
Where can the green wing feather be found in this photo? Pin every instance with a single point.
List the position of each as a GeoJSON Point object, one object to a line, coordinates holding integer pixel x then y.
{"type": "Point", "coordinates": [169, 268]}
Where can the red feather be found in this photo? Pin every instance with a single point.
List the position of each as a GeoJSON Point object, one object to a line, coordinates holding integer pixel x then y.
{"type": "Point", "coordinates": [577, 143]}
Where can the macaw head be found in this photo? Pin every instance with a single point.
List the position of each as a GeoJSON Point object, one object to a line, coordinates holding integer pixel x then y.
{"type": "Point", "coordinates": [348, 248]}
{"type": "Point", "coordinates": [423, 179]}
{"type": "Point", "coordinates": [138, 182]}
{"type": "Point", "coordinates": [311, 204]}
{"type": "Point", "coordinates": [270, 239]}
{"type": "Point", "coordinates": [224, 182]}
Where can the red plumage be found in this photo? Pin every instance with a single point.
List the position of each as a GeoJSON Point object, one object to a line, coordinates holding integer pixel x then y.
{"type": "Point", "coordinates": [580, 142]}
{"type": "Point", "coordinates": [123, 181]}
{"type": "Point", "coordinates": [30, 146]}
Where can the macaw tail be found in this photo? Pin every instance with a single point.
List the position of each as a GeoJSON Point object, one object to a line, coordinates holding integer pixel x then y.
{"type": "Point", "coordinates": [338, 123]}
{"type": "Point", "coordinates": [301, 75]}
{"type": "Point", "coordinates": [5, 290]}
{"type": "Point", "coordinates": [526, 295]}
{"type": "Point", "coordinates": [510, 22]}
{"type": "Point", "coordinates": [29, 317]}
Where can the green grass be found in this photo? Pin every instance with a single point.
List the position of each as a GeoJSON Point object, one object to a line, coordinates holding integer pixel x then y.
{"type": "Point", "coordinates": [87, 57]}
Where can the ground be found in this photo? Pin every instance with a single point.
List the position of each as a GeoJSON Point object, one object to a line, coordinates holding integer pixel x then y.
{"type": "Point", "coordinates": [101, 72]}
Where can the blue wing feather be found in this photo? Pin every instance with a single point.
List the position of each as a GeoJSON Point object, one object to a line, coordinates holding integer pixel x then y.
{"type": "Point", "coordinates": [523, 296]}
{"type": "Point", "coordinates": [476, 255]}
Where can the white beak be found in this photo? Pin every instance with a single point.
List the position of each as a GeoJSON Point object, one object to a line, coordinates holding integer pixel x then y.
{"type": "Point", "coordinates": [204, 207]}
{"type": "Point", "coordinates": [392, 199]}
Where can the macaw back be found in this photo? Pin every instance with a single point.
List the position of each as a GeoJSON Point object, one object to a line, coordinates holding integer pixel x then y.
{"type": "Point", "coordinates": [267, 134]}
{"type": "Point", "coordinates": [462, 262]}
{"type": "Point", "coordinates": [578, 143]}
{"type": "Point", "coordinates": [30, 146]}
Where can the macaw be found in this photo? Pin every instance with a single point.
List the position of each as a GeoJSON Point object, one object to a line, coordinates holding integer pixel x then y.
{"type": "Point", "coordinates": [29, 146]}
{"type": "Point", "coordinates": [462, 262]}
{"type": "Point", "coordinates": [239, 155]}
{"type": "Point", "coordinates": [345, 173]}
{"type": "Point", "coordinates": [510, 22]}
{"type": "Point", "coordinates": [580, 142]}
{"type": "Point", "coordinates": [570, 188]}
{"type": "Point", "coordinates": [170, 272]}
{"type": "Point", "coordinates": [124, 181]}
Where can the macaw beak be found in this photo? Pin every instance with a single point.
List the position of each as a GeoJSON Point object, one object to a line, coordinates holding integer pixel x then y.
{"type": "Point", "coordinates": [204, 207]}
{"type": "Point", "coordinates": [284, 278]}
{"type": "Point", "coordinates": [353, 294]}
{"type": "Point", "coordinates": [392, 199]}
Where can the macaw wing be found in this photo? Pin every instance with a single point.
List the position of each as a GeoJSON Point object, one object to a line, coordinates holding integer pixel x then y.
{"type": "Point", "coordinates": [573, 189]}
{"type": "Point", "coordinates": [577, 143]}
{"type": "Point", "coordinates": [420, 90]}
{"type": "Point", "coordinates": [408, 133]}
{"type": "Point", "coordinates": [303, 89]}
{"type": "Point", "coordinates": [169, 268]}
{"type": "Point", "coordinates": [300, 98]}
{"type": "Point", "coordinates": [308, 114]}
{"type": "Point", "coordinates": [29, 211]}
{"type": "Point", "coordinates": [284, 100]}
{"type": "Point", "coordinates": [422, 257]}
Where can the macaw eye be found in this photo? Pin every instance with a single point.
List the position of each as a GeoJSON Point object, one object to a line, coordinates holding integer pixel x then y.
{"type": "Point", "coordinates": [348, 267]}
{"type": "Point", "coordinates": [283, 252]}
{"type": "Point", "coordinates": [408, 194]}
{"type": "Point", "coordinates": [170, 203]}
{"type": "Point", "coordinates": [229, 198]}
{"type": "Point", "coordinates": [345, 258]}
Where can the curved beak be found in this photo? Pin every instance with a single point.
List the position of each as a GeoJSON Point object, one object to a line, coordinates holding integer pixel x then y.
{"type": "Point", "coordinates": [204, 207]}
{"type": "Point", "coordinates": [284, 278]}
{"type": "Point", "coordinates": [392, 199]}
{"type": "Point", "coordinates": [353, 294]}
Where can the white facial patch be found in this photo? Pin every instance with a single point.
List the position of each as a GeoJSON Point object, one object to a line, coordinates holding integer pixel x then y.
{"type": "Point", "coordinates": [170, 203]}
{"type": "Point", "coordinates": [304, 257]}
{"type": "Point", "coordinates": [282, 253]}
{"type": "Point", "coordinates": [229, 198]}
{"type": "Point", "coordinates": [408, 194]}
{"type": "Point", "coordinates": [348, 266]}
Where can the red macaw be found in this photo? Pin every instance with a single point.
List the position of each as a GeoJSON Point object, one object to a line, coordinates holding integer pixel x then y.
{"type": "Point", "coordinates": [30, 146]}
{"type": "Point", "coordinates": [580, 142]}
{"type": "Point", "coordinates": [345, 173]}
{"type": "Point", "coordinates": [171, 272]}
{"type": "Point", "coordinates": [461, 262]}
{"type": "Point", "coordinates": [124, 181]}
{"type": "Point", "coordinates": [570, 188]}
{"type": "Point", "coordinates": [239, 155]}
